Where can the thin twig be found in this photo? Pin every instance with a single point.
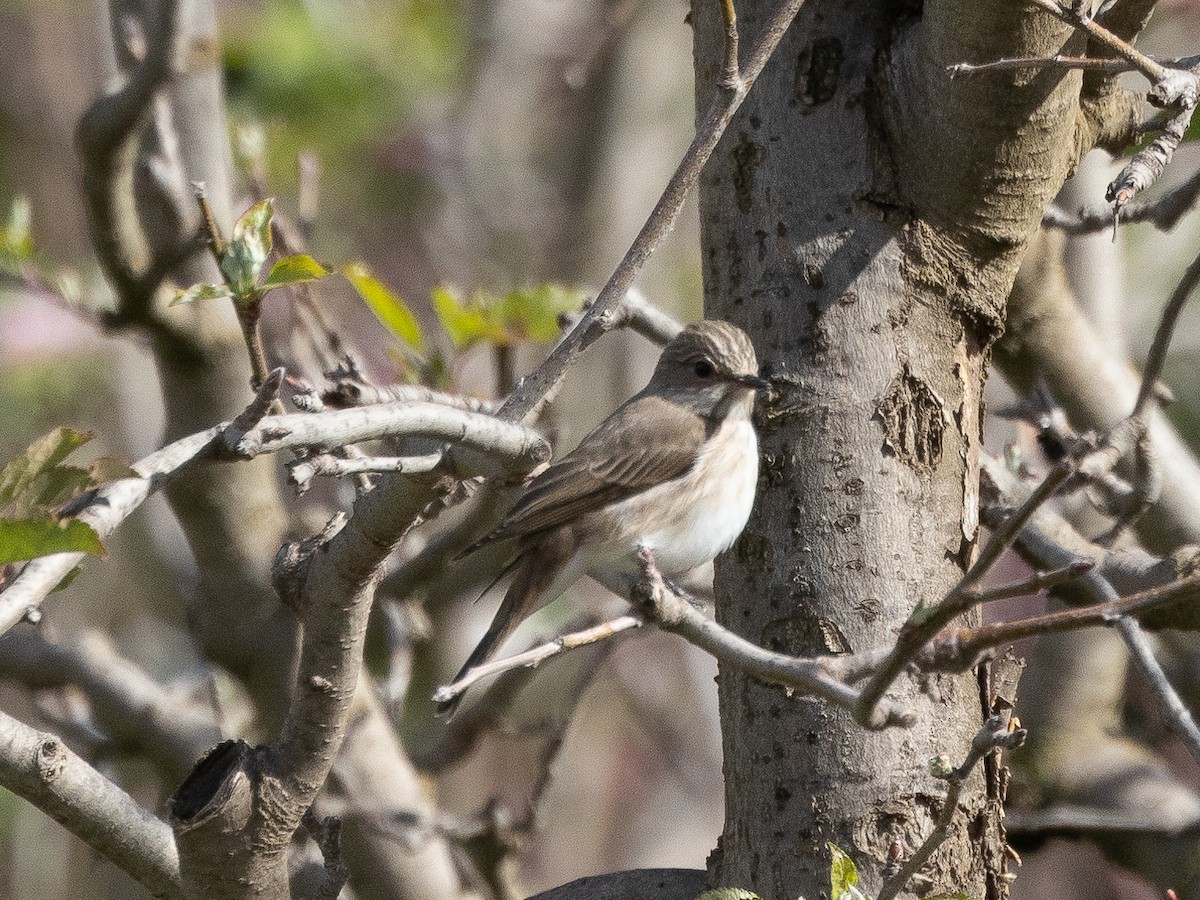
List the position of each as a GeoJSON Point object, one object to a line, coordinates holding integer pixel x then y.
{"type": "Point", "coordinates": [1038, 581]}
{"type": "Point", "coordinates": [959, 649]}
{"type": "Point", "coordinates": [994, 734]}
{"type": "Point", "coordinates": [525, 400]}
{"type": "Point", "coordinates": [809, 676]}
{"type": "Point", "coordinates": [1153, 70]}
{"type": "Point", "coordinates": [1058, 61]}
{"type": "Point", "coordinates": [536, 655]}
{"type": "Point", "coordinates": [1176, 714]}
{"type": "Point", "coordinates": [1157, 356]}
{"type": "Point", "coordinates": [924, 623]}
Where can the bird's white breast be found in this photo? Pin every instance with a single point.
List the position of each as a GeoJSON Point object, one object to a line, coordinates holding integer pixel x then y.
{"type": "Point", "coordinates": [691, 519]}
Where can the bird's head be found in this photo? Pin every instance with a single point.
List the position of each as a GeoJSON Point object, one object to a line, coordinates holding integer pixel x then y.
{"type": "Point", "coordinates": [709, 365]}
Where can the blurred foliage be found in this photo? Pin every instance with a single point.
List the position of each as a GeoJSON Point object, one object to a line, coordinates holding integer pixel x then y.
{"type": "Point", "coordinates": [339, 77]}
{"type": "Point", "coordinates": [16, 240]}
{"type": "Point", "coordinates": [526, 314]}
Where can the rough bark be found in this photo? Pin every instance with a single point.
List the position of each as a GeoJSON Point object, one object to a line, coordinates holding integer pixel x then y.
{"type": "Point", "coordinates": [865, 242]}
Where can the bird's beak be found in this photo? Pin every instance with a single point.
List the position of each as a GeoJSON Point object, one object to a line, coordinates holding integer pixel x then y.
{"type": "Point", "coordinates": [753, 381]}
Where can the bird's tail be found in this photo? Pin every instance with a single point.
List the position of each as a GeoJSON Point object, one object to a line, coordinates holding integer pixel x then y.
{"type": "Point", "coordinates": [519, 601]}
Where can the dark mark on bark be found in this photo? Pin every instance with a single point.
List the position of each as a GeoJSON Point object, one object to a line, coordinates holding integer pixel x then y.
{"type": "Point", "coordinates": [818, 68]}
{"type": "Point", "coordinates": [914, 421]}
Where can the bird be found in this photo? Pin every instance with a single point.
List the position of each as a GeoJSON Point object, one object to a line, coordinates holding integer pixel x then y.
{"type": "Point", "coordinates": [673, 470]}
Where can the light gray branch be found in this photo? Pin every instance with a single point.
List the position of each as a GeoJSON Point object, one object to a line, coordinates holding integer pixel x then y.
{"type": "Point", "coordinates": [40, 768]}
{"type": "Point", "coordinates": [488, 445]}
{"type": "Point", "coordinates": [130, 706]}
{"type": "Point", "coordinates": [810, 676]}
{"type": "Point", "coordinates": [105, 510]}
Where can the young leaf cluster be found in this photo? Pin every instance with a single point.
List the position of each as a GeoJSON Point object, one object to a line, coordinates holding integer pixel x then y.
{"type": "Point", "coordinates": [243, 259]}
{"type": "Point", "coordinates": [34, 489]}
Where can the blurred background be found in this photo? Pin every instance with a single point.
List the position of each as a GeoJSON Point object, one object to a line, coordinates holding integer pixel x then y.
{"type": "Point", "coordinates": [482, 149]}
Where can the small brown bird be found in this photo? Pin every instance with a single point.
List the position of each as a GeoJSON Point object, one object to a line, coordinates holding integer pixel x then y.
{"type": "Point", "coordinates": [674, 469]}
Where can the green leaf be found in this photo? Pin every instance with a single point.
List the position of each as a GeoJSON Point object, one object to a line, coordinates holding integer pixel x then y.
{"type": "Point", "coordinates": [202, 292]}
{"type": "Point", "coordinates": [253, 230]}
{"type": "Point", "coordinates": [388, 307]}
{"type": "Point", "coordinates": [16, 241]}
{"type": "Point", "coordinates": [843, 876]}
{"type": "Point", "coordinates": [18, 479]}
{"type": "Point", "coordinates": [49, 490]}
{"type": "Point", "coordinates": [533, 313]}
{"type": "Point", "coordinates": [30, 538]}
{"type": "Point", "coordinates": [244, 258]}
{"type": "Point", "coordinates": [466, 323]}
{"type": "Point", "coordinates": [297, 269]}
{"type": "Point", "coordinates": [66, 580]}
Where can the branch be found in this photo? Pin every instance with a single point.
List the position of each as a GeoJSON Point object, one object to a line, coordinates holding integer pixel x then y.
{"type": "Point", "coordinates": [925, 622]}
{"type": "Point", "coordinates": [525, 400]}
{"type": "Point", "coordinates": [1176, 714]}
{"type": "Point", "coordinates": [130, 706]}
{"type": "Point", "coordinates": [495, 446]}
{"type": "Point", "coordinates": [104, 132]}
{"type": "Point", "coordinates": [1163, 213]}
{"type": "Point", "coordinates": [304, 470]}
{"type": "Point", "coordinates": [536, 655]}
{"type": "Point", "coordinates": [1058, 61]}
{"type": "Point", "coordinates": [105, 510]}
{"type": "Point", "coordinates": [995, 734]}
{"type": "Point", "coordinates": [40, 768]}
{"type": "Point", "coordinates": [960, 649]}
{"type": "Point", "coordinates": [810, 676]}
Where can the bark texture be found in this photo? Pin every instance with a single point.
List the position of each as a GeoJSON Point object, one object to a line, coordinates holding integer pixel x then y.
{"type": "Point", "coordinates": [863, 220]}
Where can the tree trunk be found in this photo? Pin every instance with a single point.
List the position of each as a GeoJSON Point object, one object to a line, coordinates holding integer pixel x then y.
{"type": "Point", "coordinates": [866, 249]}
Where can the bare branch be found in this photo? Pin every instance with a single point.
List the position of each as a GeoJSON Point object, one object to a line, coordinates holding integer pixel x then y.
{"type": "Point", "coordinates": [1150, 162]}
{"type": "Point", "coordinates": [536, 655]}
{"type": "Point", "coordinates": [1154, 71]}
{"type": "Point", "coordinates": [104, 132]}
{"type": "Point", "coordinates": [487, 444]}
{"type": "Point", "coordinates": [1038, 581]}
{"type": "Point", "coordinates": [1163, 212]}
{"type": "Point", "coordinates": [304, 470]}
{"type": "Point", "coordinates": [1058, 61]}
{"type": "Point", "coordinates": [925, 622]}
{"type": "Point", "coordinates": [525, 400]}
{"type": "Point", "coordinates": [130, 706]}
{"type": "Point", "coordinates": [106, 509]}
{"type": "Point", "coordinates": [810, 676]}
{"type": "Point", "coordinates": [959, 649]}
{"type": "Point", "coordinates": [994, 734]}
{"type": "Point", "coordinates": [40, 768]}
{"type": "Point", "coordinates": [1176, 714]}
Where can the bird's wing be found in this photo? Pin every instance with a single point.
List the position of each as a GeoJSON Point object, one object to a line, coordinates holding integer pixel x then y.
{"type": "Point", "coordinates": [646, 442]}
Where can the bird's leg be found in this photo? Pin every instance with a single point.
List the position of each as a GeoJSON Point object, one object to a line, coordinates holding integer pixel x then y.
{"type": "Point", "coordinates": [683, 594]}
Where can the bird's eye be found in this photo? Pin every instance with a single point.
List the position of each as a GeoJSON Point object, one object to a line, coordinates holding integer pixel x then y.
{"type": "Point", "coordinates": [703, 369]}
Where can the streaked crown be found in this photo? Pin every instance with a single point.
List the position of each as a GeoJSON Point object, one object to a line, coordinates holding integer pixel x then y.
{"type": "Point", "coordinates": [724, 347]}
